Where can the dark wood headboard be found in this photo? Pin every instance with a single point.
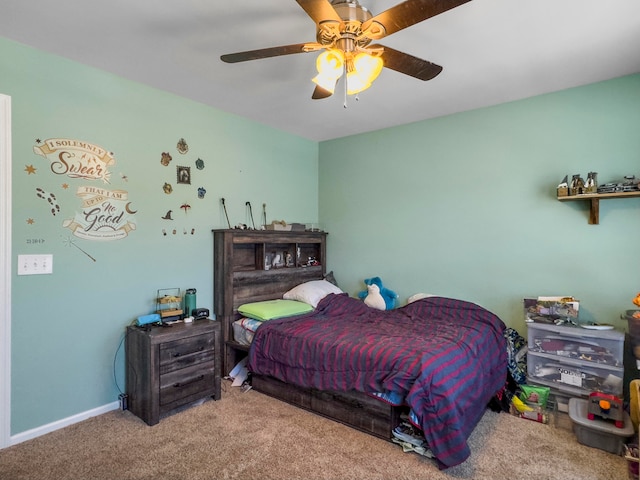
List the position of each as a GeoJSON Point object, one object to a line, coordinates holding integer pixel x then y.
{"type": "Point", "coordinates": [244, 271]}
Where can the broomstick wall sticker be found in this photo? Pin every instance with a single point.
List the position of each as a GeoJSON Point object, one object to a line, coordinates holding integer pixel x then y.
{"type": "Point", "coordinates": [248, 204]}
{"type": "Point", "coordinates": [224, 206]}
{"type": "Point", "coordinates": [264, 215]}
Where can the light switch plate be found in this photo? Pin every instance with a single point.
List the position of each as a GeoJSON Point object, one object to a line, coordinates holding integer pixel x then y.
{"type": "Point", "coordinates": [35, 264]}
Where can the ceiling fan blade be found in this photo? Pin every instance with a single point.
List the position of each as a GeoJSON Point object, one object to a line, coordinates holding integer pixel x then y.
{"type": "Point", "coordinates": [269, 52]}
{"type": "Point", "coordinates": [319, 93]}
{"type": "Point", "coordinates": [408, 64]}
{"type": "Point", "coordinates": [320, 10]}
{"type": "Point", "coordinates": [406, 14]}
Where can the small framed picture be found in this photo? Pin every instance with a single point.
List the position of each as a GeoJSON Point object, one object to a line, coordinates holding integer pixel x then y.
{"type": "Point", "coordinates": [184, 175]}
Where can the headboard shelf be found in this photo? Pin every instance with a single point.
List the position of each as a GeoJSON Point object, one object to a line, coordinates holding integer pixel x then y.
{"type": "Point", "coordinates": [276, 274]}
{"type": "Point", "coordinates": [257, 265]}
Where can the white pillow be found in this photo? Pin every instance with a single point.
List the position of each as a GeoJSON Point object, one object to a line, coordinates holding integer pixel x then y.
{"type": "Point", "coordinates": [419, 296]}
{"type": "Point", "coordinates": [311, 292]}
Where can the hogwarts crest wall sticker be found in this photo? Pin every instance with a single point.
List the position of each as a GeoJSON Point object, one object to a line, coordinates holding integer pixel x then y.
{"type": "Point", "coordinates": [101, 214]}
{"type": "Point", "coordinates": [182, 146]}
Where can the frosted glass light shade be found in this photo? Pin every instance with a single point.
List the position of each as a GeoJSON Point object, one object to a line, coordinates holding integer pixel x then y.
{"type": "Point", "coordinates": [366, 70]}
{"type": "Point", "coordinates": [330, 65]}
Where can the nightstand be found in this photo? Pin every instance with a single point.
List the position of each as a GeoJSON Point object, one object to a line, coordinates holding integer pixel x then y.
{"type": "Point", "coordinates": [169, 367]}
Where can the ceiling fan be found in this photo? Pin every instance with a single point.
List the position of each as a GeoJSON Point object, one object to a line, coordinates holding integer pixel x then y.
{"type": "Point", "coordinates": [345, 30]}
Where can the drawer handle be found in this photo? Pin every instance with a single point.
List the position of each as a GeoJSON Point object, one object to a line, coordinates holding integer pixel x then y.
{"type": "Point", "coordinates": [349, 401]}
{"type": "Point", "coordinates": [183, 384]}
{"type": "Point", "coordinates": [177, 354]}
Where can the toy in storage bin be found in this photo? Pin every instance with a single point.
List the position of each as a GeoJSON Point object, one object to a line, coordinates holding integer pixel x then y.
{"type": "Point", "coordinates": [598, 433]}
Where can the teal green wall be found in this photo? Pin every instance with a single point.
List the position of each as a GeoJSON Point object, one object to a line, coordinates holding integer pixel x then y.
{"type": "Point", "coordinates": [465, 205]}
{"type": "Point", "coordinates": [462, 206]}
{"type": "Point", "coordinates": [66, 327]}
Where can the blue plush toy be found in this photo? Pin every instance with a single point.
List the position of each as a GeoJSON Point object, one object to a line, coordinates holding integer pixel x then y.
{"type": "Point", "coordinates": [389, 296]}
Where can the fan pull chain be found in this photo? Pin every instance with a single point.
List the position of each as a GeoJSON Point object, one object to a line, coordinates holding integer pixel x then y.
{"type": "Point", "coordinates": [345, 91]}
{"type": "Point", "coordinates": [357, 98]}
{"type": "Point", "coordinates": [345, 86]}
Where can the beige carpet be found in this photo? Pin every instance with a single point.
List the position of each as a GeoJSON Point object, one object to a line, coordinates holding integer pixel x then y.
{"type": "Point", "coordinates": [252, 436]}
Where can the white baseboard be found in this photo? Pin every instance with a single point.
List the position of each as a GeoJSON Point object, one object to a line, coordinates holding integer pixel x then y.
{"type": "Point", "coordinates": [65, 422]}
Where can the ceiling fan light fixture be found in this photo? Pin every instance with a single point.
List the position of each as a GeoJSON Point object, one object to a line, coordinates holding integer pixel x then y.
{"type": "Point", "coordinates": [330, 65]}
{"type": "Point", "coordinates": [345, 29]}
{"type": "Point", "coordinates": [326, 83]}
{"type": "Point", "coordinates": [366, 69]}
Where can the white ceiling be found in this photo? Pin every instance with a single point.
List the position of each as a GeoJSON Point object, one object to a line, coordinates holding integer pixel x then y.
{"type": "Point", "coordinates": [492, 51]}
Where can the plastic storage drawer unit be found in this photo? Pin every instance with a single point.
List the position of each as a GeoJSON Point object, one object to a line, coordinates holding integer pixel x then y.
{"type": "Point", "coordinates": [575, 361]}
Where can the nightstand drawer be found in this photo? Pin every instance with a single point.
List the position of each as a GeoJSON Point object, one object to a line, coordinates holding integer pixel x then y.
{"type": "Point", "coordinates": [187, 351]}
{"type": "Point", "coordinates": [186, 382]}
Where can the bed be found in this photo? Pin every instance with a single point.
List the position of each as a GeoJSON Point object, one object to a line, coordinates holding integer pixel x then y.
{"type": "Point", "coordinates": [467, 355]}
{"type": "Point", "coordinates": [436, 361]}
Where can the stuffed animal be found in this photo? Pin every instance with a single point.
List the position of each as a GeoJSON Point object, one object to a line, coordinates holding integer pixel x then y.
{"type": "Point", "coordinates": [374, 299]}
{"type": "Point", "coordinates": [389, 296]}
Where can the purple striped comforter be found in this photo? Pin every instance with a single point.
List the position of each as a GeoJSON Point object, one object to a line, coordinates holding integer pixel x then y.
{"type": "Point", "coordinates": [446, 357]}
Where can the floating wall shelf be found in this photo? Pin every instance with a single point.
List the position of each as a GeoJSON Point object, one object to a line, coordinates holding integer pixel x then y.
{"type": "Point", "coordinates": [594, 200]}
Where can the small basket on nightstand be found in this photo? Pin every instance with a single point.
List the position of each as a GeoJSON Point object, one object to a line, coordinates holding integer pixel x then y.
{"type": "Point", "coordinates": [169, 304]}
